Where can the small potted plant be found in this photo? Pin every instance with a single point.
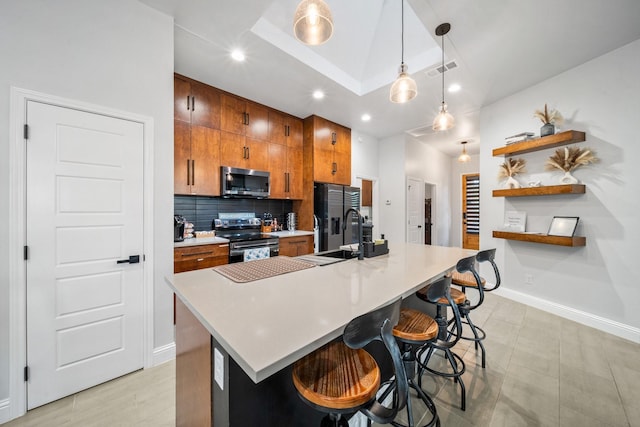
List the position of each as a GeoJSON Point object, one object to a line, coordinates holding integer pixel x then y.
{"type": "Point", "coordinates": [509, 169]}
{"type": "Point", "coordinates": [568, 159]}
{"type": "Point", "coordinates": [549, 119]}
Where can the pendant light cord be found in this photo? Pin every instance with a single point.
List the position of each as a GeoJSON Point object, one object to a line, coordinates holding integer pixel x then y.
{"type": "Point", "coordinates": [402, 33]}
{"type": "Point", "coordinates": [443, 69]}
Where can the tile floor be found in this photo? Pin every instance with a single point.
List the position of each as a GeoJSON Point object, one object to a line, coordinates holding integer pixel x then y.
{"type": "Point", "coordinates": [542, 370]}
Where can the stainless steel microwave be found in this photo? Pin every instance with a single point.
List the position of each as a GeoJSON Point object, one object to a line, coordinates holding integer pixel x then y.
{"type": "Point", "coordinates": [236, 182]}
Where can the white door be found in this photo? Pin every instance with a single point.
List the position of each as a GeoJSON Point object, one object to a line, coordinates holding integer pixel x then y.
{"type": "Point", "coordinates": [415, 208]}
{"type": "Point", "coordinates": [84, 214]}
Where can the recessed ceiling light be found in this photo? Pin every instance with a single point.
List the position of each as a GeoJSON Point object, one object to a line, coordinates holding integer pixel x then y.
{"type": "Point", "coordinates": [238, 55]}
{"type": "Point", "coordinates": [366, 117]}
{"type": "Point", "coordinates": [318, 94]}
{"type": "Point", "coordinates": [454, 87]}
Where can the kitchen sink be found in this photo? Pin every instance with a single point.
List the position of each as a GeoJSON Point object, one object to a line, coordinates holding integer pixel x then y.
{"type": "Point", "coordinates": [328, 257]}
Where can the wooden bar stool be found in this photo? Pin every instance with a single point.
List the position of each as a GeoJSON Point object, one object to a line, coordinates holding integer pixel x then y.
{"type": "Point", "coordinates": [469, 278]}
{"type": "Point", "coordinates": [342, 378]}
{"type": "Point", "coordinates": [414, 330]}
{"type": "Point", "coordinates": [447, 338]}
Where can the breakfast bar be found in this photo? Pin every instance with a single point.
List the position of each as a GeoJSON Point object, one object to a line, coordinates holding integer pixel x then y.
{"type": "Point", "coordinates": [250, 333]}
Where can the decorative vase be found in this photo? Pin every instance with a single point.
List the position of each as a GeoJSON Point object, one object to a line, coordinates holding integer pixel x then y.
{"type": "Point", "coordinates": [567, 178]}
{"type": "Point", "coordinates": [547, 129]}
{"type": "Point", "coordinates": [511, 183]}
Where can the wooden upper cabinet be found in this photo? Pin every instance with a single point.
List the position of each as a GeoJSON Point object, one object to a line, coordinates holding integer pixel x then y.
{"type": "Point", "coordinates": [196, 165]}
{"type": "Point", "coordinates": [238, 151]}
{"type": "Point", "coordinates": [181, 157]}
{"type": "Point", "coordinates": [257, 154]}
{"type": "Point", "coordinates": [331, 148]}
{"type": "Point", "coordinates": [277, 169]}
{"type": "Point", "coordinates": [196, 103]}
{"type": "Point", "coordinates": [244, 117]}
{"type": "Point", "coordinates": [285, 129]}
{"type": "Point", "coordinates": [295, 169]}
{"type": "Point", "coordinates": [367, 192]}
{"type": "Point", "coordinates": [233, 115]}
{"type": "Point", "coordinates": [205, 154]}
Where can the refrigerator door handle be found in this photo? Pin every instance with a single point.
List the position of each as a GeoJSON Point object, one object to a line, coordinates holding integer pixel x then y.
{"type": "Point", "coordinates": [335, 225]}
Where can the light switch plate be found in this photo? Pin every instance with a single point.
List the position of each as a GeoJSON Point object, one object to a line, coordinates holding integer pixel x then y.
{"type": "Point", "coordinates": [218, 368]}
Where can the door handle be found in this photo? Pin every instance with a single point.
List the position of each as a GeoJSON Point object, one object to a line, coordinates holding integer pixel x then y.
{"type": "Point", "coordinates": [419, 226]}
{"type": "Point", "coordinates": [133, 259]}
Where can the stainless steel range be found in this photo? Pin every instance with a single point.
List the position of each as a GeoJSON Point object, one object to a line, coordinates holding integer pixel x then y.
{"type": "Point", "coordinates": [243, 231]}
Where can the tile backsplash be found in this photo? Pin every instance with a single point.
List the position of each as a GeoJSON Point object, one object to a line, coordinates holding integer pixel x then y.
{"type": "Point", "coordinates": [201, 210]}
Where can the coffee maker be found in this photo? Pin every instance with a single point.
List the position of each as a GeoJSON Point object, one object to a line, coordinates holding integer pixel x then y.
{"type": "Point", "coordinates": [178, 228]}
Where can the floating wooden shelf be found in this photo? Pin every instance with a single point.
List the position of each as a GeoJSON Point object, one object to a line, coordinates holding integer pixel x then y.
{"type": "Point", "coordinates": [551, 141]}
{"type": "Point", "coordinates": [540, 191]}
{"type": "Point", "coordinates": [542, 238]}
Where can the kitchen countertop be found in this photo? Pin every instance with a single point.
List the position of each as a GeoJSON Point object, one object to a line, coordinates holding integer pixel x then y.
{"type": "Point", "coordinates": [268, 324]}
{"type": "Point", "coordinates": [287, 233]}
{"type": "Point", "coordinates": [195, 241]}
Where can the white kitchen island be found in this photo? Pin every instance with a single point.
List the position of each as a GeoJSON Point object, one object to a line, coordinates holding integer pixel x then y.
{"type": "Point", "coordinates": [258, 329]}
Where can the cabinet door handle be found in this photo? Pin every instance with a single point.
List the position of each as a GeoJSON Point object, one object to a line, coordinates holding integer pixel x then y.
{"type": "Point", "coordinates": [248, 152]}
{"type": "Point", "coordinates": [188, 172]}
{"type": "Point", "coordinates": [188, 102]}
{"type": "Point", "coordinates": [334, 168]}
{"type": "Point", "coordinates": [193, 103]}
{"type": "Point", "coordinates": [287, 130]}
{"type": "Point", "coordinates": [193, 174]}
{"type": "Point", "coordinates": [248, 119]}
{"type": "Point", "coordinates": [286, 182]}
{"type": "Point", "coordinates": [334, 138]}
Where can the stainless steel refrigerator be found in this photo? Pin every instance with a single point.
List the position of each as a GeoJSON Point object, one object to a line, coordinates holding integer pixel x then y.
{"type": "Point", "coordinates": [330, 204]}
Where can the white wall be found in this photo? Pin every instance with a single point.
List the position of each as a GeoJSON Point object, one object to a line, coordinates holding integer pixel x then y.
{"type": "Point", "coordinates": [117, 54]}
{"type": "Point", "coordinates": [426, 163]}
{"type": "Point", "coordinates": [457, 170]}
{"type": "Point", "coordinates": [364, 165]}
{"type": "Point", "coordinates": [597, 283]}
{"type": "Point", "coordinates": [392, 183]}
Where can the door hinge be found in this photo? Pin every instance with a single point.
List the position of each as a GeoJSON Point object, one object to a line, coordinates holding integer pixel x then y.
{"type": "Point", "coordinates": [26, 252]}
{"type": "Point", "coordinates": [26, 131]}
{"type": "Point", "coordinates": [26, 373]}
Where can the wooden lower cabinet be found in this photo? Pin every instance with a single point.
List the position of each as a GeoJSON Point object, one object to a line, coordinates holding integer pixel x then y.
{"type": "Point", "coordinates": [193, 370]}
{"type": "Point", "coordinates": [202, 256]}
{"type": "Point", "coordinates": [295, 246]}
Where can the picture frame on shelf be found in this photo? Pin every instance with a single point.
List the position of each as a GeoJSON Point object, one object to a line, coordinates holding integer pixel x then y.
{"type": "Point", "coordinates": [563, 226]}
{"type": "Point", "coordinates": [515, 221]}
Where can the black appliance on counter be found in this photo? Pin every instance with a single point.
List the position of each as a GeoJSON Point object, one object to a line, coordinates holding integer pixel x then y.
{"type": "Point", "coordinates": [330, 204]}
{"type": "Point", "coordinates": [178, 228]}
{"type": "Point", "coordinates": [243, 231]}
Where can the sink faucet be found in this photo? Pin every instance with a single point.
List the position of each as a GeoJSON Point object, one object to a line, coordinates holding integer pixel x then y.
{"type": "Point", "coordinates": [344, 227]}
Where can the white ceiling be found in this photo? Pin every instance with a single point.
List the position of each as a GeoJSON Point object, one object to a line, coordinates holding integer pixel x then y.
{"type": "Point", "coordinates": [500, 47]}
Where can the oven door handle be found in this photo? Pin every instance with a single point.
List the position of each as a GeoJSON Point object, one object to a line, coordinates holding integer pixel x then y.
{"type": "Point", "coordinates": [238, 246]}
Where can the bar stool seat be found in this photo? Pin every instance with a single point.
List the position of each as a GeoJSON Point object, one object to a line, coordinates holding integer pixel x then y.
{"type": "Point", "coordinates": [457, 296]}
{"type": "Point", "coordinates": [343, 378]}
{"type": "Point", "coordinates": [337, 377]}
{"type": "Point", "coordinates": [415, 329]}
{"type": "Point", "coordinates": [466, 279]}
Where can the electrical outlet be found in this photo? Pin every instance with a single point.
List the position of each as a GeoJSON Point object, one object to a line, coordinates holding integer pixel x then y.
{"type": "Point", "coordinates": [528, 279]}
{"type": "Point", "coordinates": [218, 368]}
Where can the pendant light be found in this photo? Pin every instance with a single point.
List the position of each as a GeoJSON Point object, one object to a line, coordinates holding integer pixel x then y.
{"type": "Point", "coordinates": [464, 157]}
{"type": "Point", "coordinates": [404, 89]}
{"type": "Point", "coordinates": [444, 120]}
{"type": "Point", "coordinates": [312, 22]}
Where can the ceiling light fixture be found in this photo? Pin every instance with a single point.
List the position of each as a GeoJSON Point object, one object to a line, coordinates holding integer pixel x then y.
{"type": "Point", "coordinates": [238, 55]}
{"type": "Point", "coordinates": [365, 117]}
{"type": "Point", "coordinates": [454, 87]}
{"type": "Point", "coordinates": [312, 22]}
{"type": "Point", "coordinates": [318, 94]}
{"type": "Point", "coordinates": [464, 157]}
{"type": "Point", "coordinates": [444, 120]}
{"type": "Point", "coordinates": [404, 89]}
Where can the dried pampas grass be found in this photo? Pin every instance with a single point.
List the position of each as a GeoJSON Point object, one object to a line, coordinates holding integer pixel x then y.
{"type": "Point", "coordinates": [546, 116]}
{"type": "Point", "coordinates": [569, 158]}
{"type": "Point", "coordinates": [511, 167]}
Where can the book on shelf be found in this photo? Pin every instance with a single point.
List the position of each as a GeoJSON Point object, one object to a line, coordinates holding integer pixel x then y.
{"type": "Point", "coordinates": [523, 136]}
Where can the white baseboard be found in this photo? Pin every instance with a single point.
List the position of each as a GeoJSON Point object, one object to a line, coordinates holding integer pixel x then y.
{"type": "Point", "coordinates": [5, 411]}
{"type": "Point", "coordinates": [163, 354]}
{"type": "Point", "coordinates": [607, 325]}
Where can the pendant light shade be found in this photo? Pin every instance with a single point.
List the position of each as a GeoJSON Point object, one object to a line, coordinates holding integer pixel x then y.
{"type": "Point", "coordinates": [312, 23]}
{"type": "Point", "coordinates": [404, 89]}
{"type": "Point", "coordinates": [444, 120]}
{"type": "Point", "coordinates": [464, 157]}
